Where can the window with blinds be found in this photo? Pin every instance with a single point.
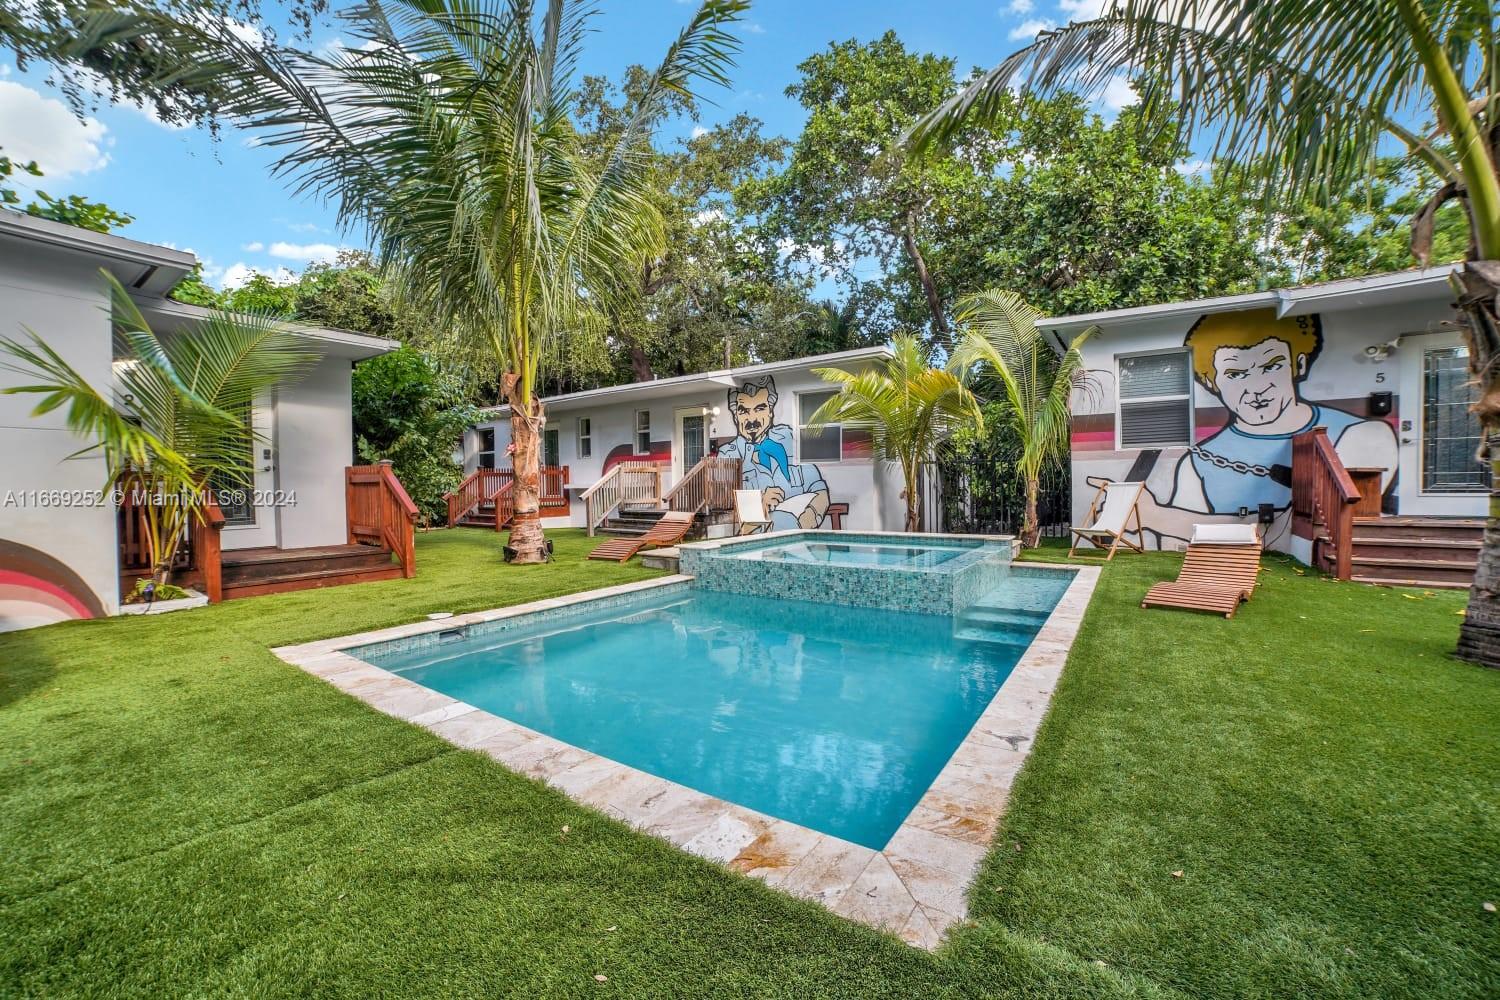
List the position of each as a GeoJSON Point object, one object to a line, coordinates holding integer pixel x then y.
{"type": "Point", "coordinates": [1155, 400]}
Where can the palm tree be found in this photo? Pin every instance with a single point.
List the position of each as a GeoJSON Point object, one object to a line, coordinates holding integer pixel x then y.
{"type": "Point", "coordinates": [907, 404]}
{"type": "Point", "coordinates": [1312, 93]}
{"type": "Point", "coordinates": [178, 428]}
{"type": "Point", "coordinates": [444, 132]}
{"type": "Point", "coordinates": [999, 339]}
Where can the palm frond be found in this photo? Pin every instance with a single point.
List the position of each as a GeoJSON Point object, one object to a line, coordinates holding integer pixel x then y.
{"type": "Point", "coordinates": [1308, 90]}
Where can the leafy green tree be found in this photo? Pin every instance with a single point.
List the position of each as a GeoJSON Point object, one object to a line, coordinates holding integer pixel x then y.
{"type": "Point", "coordinates": [1311, 94]}
{"type": "Point", "coordinates": [74, 210]}
{"type": "Point", "coordinates": [451, 140]}
{"type": "Point", "coordinates": [182, 429]}
{"type": "Point", "coordinates": [193, 290]}
{"type": "Point", "coordinates": [1034, 386]}
{"type": "Point", "coordinates": [838, 202]}
{"type": "Point", "coordinates": [407, 411]}
{"type": "Point", "coordinates": [909, 406]}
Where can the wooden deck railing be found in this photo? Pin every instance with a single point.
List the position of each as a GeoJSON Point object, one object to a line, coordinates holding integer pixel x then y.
{"type": "Point", "coordinates": [198, 559]}
{"type": "Point", "coordinates": [379, 512]}
{"type": "Point", "coordinates": [1324, 498]}
{"type": "Point", "coordinates": [707, 486]}
{"type": "Point", "coordinates": [628, 482]}
{"type": "Point", "coordinates": [489, 485]}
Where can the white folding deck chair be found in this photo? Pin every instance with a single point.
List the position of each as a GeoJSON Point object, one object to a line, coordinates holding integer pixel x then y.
{"type": "Point", "coordinates": [748, 509]}
{"type": "Point", "coordinates": [1119, 515]}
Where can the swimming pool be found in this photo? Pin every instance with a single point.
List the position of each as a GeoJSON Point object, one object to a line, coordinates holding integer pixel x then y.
{"type": "Point", "coordinates": [836, 719]}
{"type": "Point", "coordinates": [847, 733]}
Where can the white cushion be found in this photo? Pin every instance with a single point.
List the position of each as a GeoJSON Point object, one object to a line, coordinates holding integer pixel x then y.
{"type": "Point", "coordinates": [1224, 534]}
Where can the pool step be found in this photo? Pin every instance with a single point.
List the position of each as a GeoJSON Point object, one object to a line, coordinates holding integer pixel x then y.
{"type": "Point", "coordinates": [992, 636]}
{"type": "Point", "coordinates": [989, 614]}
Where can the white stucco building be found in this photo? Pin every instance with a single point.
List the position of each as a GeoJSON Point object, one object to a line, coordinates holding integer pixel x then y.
{"type": "Point", "coordinates": [757, 413]}
{"type": "Point", "coordinates": [58, 557]}
{"type": "Point", "coordinates": [1200, 400]}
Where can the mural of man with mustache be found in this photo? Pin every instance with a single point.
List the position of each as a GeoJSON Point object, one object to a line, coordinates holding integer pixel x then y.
{"type": "Point", "coordinates": [792, 495]}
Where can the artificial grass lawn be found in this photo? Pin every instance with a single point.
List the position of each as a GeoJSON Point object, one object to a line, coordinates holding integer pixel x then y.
{"type": "Point", "coordinates": [183, 813]}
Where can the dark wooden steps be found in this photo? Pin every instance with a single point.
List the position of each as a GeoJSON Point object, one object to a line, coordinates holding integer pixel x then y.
{"type": "Point", "coordinates": [251, 572]}
{"type": "Point", "coordinates": [1410, 551]}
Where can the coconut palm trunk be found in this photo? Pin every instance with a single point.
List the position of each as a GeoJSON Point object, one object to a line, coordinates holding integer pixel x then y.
{"type": "Point", "coordinates": [1479, 303]}
{"type": "Point", "coordinates": [527, 419]}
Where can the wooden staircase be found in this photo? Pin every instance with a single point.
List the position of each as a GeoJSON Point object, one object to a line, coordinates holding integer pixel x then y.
{"type": "Point", "coordinates": [1416, 551]}
{"type": "Point", "coordinates": [251, 572]}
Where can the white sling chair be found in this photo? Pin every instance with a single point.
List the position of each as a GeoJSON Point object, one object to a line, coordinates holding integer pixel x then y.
{"type": "Point", "coordinates": [1119, 515]}
{"type": "Point", "coordinates": [748, 509]}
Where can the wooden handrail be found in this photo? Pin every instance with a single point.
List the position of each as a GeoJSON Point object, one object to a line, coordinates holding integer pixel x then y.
{"type": "Point", "coordinates": [379, 512]}
{"type": "Point", "coordinates": [628, 482]}
{"type": "Point", "coordinates": [1323, 501]}
{"type": "Point", "coordinates": [708, 485]}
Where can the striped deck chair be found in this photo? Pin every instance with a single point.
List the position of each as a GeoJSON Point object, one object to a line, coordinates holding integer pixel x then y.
{"type": "Point", "coordinates": [1218, 572]}
{"type": "Point", "coordinates": [1118, 516]}
{"type": "Point", "coordinates": [671, 529]}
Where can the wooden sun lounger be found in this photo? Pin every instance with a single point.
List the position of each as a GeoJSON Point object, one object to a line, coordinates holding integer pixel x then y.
{"type": "Point", "coordinates": [1214, 577]}
{"type": "Point", "coordinates": [671, 529]}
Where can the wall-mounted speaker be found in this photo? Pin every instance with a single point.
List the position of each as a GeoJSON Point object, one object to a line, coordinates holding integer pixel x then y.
{"type": "Point", "coordinates": [1381, 403]}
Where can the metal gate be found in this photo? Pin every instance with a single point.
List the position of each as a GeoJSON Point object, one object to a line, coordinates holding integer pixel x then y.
{"type": "Point", "coordinates": [982, 494]}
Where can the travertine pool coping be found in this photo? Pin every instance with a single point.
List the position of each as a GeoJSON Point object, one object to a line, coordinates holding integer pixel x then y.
{"type": "Point", "coordinates": [915, 888]}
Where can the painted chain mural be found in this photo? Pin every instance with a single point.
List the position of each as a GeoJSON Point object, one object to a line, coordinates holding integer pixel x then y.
{"type": "Point", "coordinates": [794, 494]}
{"type": "Point", "coordinates": [1254, 364]}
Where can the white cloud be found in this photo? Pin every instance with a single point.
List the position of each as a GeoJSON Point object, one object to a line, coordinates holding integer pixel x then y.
{"type": "Point", "coordinates": [1084, 10]}
{"type": "Point", "coordinates": [253, 247]}
{"type": "Point", "coordinates": [699, 131]}
{"type": "Point", "coordinates": [1027, 30]}
{"type": "Point", "coordinates": [304, 227]}
{"type": "Point", "coordinates": [324, 253]}
{"type": "Point", "coordinates": [238, 274]}
{"type": "Point", "coordinates": [754, 29]}
{"type": "Point", "coordinates": [1117, 94]}
{"type": "Point", "coordinates": [1019, 7]}
{"type": "Point", "coordinates": [33, 127]}
{"type": "Point", "coordinates": [1192, 168]}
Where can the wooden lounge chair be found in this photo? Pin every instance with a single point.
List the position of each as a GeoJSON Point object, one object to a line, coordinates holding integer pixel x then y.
{"type": "Point", "coordinates": [749, 510]}
{"type": "Point", "coordinates": [1118, 516]}
{"type": "Point", "coordinates": [1217, 574]}
{"type": "Point", "coordinates": [671, 529]}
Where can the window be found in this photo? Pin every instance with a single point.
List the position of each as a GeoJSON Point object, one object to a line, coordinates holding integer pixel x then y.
{"type": "Point", "coordinates": [585, 437]}
{"type": "Point", "coordinates": [826, 444]}
{"type": "Point", "coordinates": [551, 453]}
{"type": "Point", "coordinates": [486, 447]}
{"type": "Point", "coordinates": [1156, 401]}
{"type": "Point", "coordinates": [643, 432]}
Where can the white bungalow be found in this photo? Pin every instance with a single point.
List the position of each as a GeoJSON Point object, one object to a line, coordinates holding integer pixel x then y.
{"type": "Point", "coordinates": [1336, 415]}
{"type": "Point", "coordinates": [65, 555]}
{"type": "Point", "coordinates": [614, 457]}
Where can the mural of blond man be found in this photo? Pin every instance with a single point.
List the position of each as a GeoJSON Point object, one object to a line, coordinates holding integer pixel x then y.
{"type": "Point", "coordinates": [1255, 363]}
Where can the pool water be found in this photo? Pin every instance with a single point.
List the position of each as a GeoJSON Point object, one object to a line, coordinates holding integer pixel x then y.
{"type": "Point", "coordinates": [832, 717]}
{"type": "Point", "coordinates": [858, 555]}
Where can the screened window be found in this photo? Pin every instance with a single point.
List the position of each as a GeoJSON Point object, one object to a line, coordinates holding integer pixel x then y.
{"type": "Point", "coordinates": [551, 454]}
{"type": "Point", "coordinates": [486, 447]}
{"type": "Point", "coordinates": [826, 444]}
{"type": "Point", "coordinates": [1156, 400]}
{"type": "Point", "coordinates": [643, 432]}
{"type": "Point", "coordinates": [585, 437]}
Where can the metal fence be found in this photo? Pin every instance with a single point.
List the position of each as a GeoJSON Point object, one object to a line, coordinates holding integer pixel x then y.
{"type": "Point", "coordinates": [982, 494]}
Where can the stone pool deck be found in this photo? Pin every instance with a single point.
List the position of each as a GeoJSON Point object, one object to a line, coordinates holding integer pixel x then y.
{"type": "Point", "coordinates": [916, 887]}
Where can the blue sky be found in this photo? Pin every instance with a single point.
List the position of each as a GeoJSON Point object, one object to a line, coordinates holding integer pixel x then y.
{"type": "Point", "coordinates": [219, 200]}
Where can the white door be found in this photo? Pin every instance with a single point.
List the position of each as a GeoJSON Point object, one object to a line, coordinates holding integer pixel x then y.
{"type": "Point", "coordinates": [1439, 436]}
{"type": "Point", "coordinates": [691, 442]}
{"type": "Point", "coordinates": [250, 513]}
